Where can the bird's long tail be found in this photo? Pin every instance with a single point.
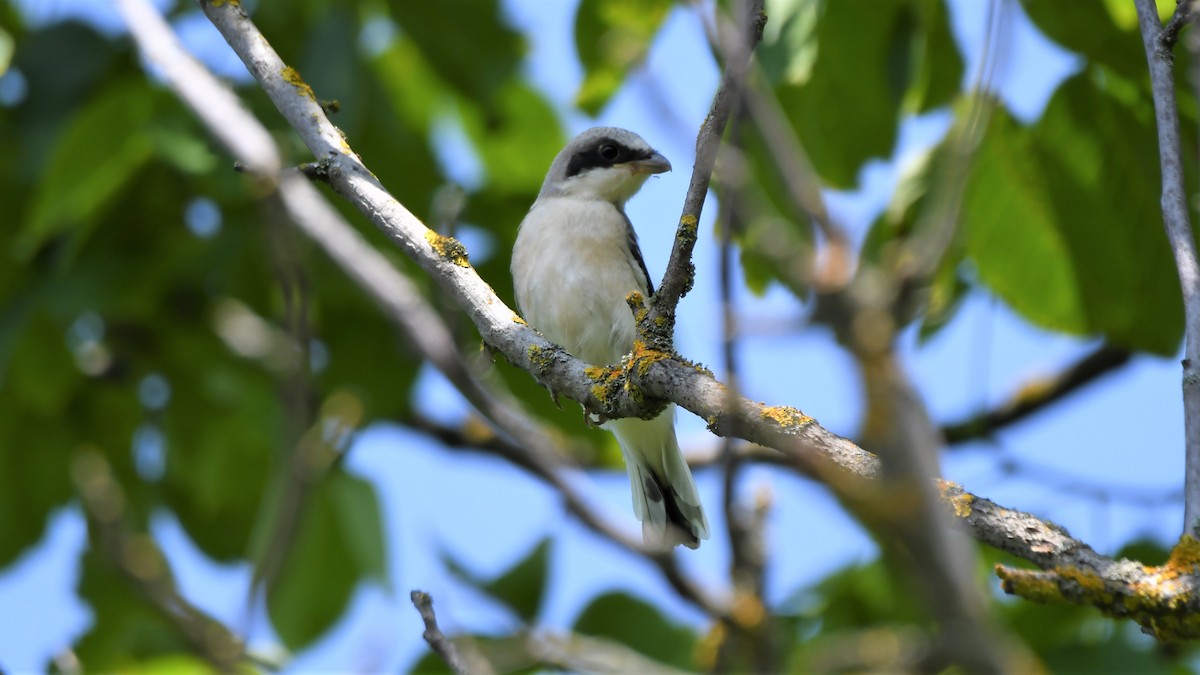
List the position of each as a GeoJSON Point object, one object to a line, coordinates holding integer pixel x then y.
{"type": "Point", "coordinates": [664, 495]}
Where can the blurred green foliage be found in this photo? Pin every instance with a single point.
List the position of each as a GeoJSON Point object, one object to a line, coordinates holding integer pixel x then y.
{"type": "Point", "coordinates": [136, 256]}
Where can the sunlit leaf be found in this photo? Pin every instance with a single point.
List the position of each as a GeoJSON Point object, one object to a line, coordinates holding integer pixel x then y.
{"type": "Point", "coordinates": [611, 37]}
{"type": "Point", "coordinates": [467, 41]}
{"type": "Point", "coordinates": [845, 96]}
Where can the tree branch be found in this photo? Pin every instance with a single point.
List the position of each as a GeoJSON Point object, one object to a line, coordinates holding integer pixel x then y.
{"type": "Point", "coordinates": [1183, 15]}
{"type": "Point", "coordinates": [659, 323]}
{"type": "Point", "coordinates": [139, 560]}
{"type": "Point", "coordinates": [440, 644]}
{"type": "Point", "coordinates": [401, 301]}
{"type": "Point", "coordinates": [1164, 600]}
{"type": "Point", "coordinates": [1177, 221]}
{"type": "Point", "coordinates": [1038, 394]}
{"type": "Point", "coordinates": [651, 375]}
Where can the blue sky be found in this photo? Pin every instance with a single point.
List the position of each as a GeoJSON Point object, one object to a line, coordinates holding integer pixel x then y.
{"type": "Point", "coordinates": [980, 359]}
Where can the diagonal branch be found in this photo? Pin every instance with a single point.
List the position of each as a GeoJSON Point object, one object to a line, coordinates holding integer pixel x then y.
{"type": "Point", "coordinates": [1037, 395]}
{"type": "Point", "coordinates": [648, 376]}
{"type": "Point", "coordinates": [401, 301]}
{"type": "Point", "coordinates": [438, 642]}
{"type": "Point", "coordinates": [1178, 224]}
{"type": "Point", "coordinates": [678, 277]}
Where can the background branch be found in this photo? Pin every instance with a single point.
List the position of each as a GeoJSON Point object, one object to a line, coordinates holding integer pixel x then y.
{"type": "Point", "coordinates": [1038, 394]}
{"type": "Point", "coordinates": [440, 644]}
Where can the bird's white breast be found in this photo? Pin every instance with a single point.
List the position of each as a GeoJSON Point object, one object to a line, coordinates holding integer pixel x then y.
{"type": "Point", "coordinates": [572, 268]}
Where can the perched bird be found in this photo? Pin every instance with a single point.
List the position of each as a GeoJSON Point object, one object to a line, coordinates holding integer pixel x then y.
{"type": "Point", "coordinates": [575, 260]}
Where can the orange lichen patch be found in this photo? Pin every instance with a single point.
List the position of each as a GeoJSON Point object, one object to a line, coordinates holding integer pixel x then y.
{"type": "Point", "coordinates": [786, 416]}
{"type": "Point", "coordinates": [1185, 557]}
{"type": "Point", "coordinates": [958, 500]}
{"type": "Point", "coordinates": [448, 248]}
{"type": "Point", "coordinates": [517, 319]}
{"type": "Point", "coordinates": [689, 222]}
{"type": "Point", "coordinates": [292, 77]}
{"type": "Point", "coordinates": [642, 357]}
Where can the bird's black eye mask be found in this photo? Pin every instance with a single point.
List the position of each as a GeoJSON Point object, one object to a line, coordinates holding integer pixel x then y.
{"type": "Point", "coordinates": [604, 153]}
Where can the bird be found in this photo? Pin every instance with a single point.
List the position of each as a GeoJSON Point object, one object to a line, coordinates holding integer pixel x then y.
{"type": "Point", "coordinates": [575, 259]}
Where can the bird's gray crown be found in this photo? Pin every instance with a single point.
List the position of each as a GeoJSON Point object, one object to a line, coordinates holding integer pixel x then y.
{"type": "Point", "coordinates": [595, 148]}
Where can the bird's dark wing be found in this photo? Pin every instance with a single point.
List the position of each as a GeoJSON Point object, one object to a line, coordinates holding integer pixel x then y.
{"type": "Point", "coordinates": [636, 251]}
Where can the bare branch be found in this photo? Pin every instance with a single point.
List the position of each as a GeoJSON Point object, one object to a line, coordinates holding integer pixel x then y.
{"type": "Point", "coordinates": [439, 643]}
{"type": "Point", "coordinates": [1177, 221]}
{"type": "Point", "coordinates": [140, 561]}
{"type": "Point", "coordinates": [1038, 394]}
{"type": "Point", "coordinates": [1184, 14]}
{"type": "Point", "coordinates": [678, 277]}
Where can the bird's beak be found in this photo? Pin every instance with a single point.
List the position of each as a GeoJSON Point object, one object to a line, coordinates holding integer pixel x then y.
{"type": "Point", "coordinates": [655, 163]}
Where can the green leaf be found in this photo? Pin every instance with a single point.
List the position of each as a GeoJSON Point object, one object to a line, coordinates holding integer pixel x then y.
{"type": "Point", "coordinates": [638, 625]}
{"type": "Point", "coordinates": [1011, 230]}
{"type": "Point", "coordinates": [467, 42]}
{"type": "Point", "coordinates": [517, 140]}
{"type": "Point", "coordinates": [521, 588]}
{"type": "Point", "coordinates": [1063, 222]}
{"type": "Point", "coordinates": [939, 70]}
{"type": "Point", "coordinates": [845, 79]}
{"type": "Point", "coordinates": [101, 150]}
{"type": "Point", "coordinates": [611, 38]}
{"type": "Point", "coordinates": [328, 558]}
{"type": "Point", "coordinates": [1117, 46]}
{"type": "Point", "coordinates": [1100, 160]}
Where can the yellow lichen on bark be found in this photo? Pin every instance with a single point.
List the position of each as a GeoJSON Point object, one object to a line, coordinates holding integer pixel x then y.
{"type": "Point", "coordinates": [786, 416]}
{"type": "Point", "coordinates": [960, 502]}
{"type": "Point", "coordinates": [448, 248]}
{"type": "Point", "coordinates": [642, 357]}
{"type": "Point", "coordinates": [292, 77]}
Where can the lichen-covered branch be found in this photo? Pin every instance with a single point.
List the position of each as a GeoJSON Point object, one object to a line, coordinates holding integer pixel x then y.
{"type": "Point", "coordinates": [399, 298]}
{"type": "Point", "coordinates": [678, 277]}
{"type": "Point", "coordinates": [647, 378]}
{"type": "Point", "coordinates": [1164, 600]}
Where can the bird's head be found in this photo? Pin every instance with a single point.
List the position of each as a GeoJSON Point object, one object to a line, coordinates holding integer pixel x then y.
{"type": "Point", "coordinates": [603, 163]}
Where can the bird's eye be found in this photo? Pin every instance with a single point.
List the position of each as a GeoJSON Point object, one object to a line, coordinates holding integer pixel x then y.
{"type": "Point", "coordinates": [609, 152]}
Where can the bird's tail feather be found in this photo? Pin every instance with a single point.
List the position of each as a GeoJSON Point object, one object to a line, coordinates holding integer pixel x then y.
{"type": "Point", "coordinates": [665, 498]}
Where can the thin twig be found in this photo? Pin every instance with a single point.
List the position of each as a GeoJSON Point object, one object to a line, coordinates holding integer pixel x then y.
{"type": "Point", "coordinates": [1177, 220]}
{"type": "Point", "coordinates": [433, 635]}
{"type": "Point", "coordinates": [1183, 15]}
{"type": "Point", "coordinates": [139, 560]}
{"type": "Point", "coordinates": [679, 275]}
